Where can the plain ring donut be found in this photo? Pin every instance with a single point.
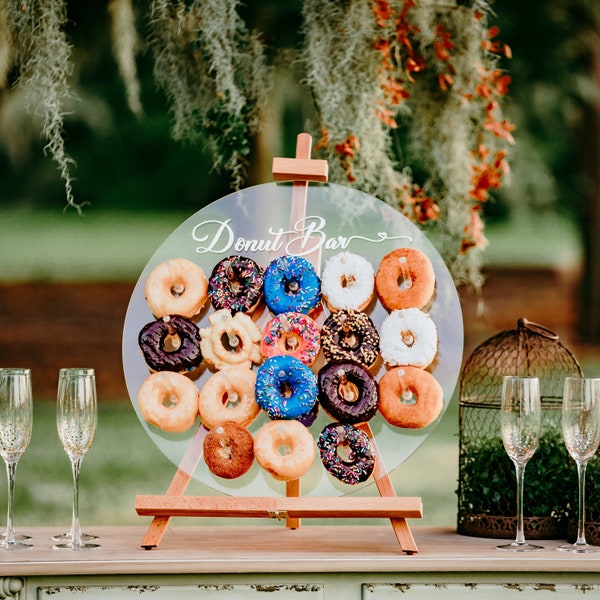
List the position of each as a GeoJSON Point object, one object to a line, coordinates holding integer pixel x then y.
{"type": "Point", "coordinates": [405, 279]}
{"type": "Point", "coordinates": [228, 396]}
{"type": "Point", "coordinates": [176, 286]}
{"type": "Point", "coordinates": [169, 401]}
{"type": "Point", "coordinates": [285, 449]}
{"type": "Point", "coordinates": [410, 397]}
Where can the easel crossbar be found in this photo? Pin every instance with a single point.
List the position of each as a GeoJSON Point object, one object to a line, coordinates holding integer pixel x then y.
{"type": "Point", "coordinates": [262, 507]}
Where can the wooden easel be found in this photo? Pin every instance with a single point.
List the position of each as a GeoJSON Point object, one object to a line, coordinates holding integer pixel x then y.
{"type": "Point", "coordinates": [291, 507]}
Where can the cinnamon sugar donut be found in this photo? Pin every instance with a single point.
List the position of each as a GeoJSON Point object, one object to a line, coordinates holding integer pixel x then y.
{"type": "Point", "coordinates": [405, 279]}
{"type": "Point", "coordinates": [410, 397]}
{"type": "Point", "coordinates": [228, 396]}
{"type": "Point", "coordinates": [285, 449]}
{"type": "Point", "coordinates": [228, 450]}
{"type": "Point", "coordinates": [347, 281]}
{"type": "Point", "coordinates": [169, 401]}
{"type": "Point", "coordinates": [408, 337]}
{"type": "Point", "coordinates": [230, 341]}
{"type": "Point", "coordinates": [176, 286]}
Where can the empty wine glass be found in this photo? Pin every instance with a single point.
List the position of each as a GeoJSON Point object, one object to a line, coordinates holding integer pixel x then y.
{"type": "Point", "coordinates": [76, 417]}
{"type": "Point", "coordinates": [581, 433]}
{"type": "Point", "coordinates": [520, 420]}
{"type": "Point", "coordinates": [16, 419]}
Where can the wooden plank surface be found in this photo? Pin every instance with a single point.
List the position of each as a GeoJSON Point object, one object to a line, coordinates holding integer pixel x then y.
{"type": "Point", "coordinates": [274, 548]}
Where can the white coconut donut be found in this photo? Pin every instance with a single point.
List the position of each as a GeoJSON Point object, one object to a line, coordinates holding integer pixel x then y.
{"type": "Point", "coordinates": [176, 286]}
{"type": "Point", "coordinates": [347, 281]}
{"type": "Point", "coordinates": [408, 337]}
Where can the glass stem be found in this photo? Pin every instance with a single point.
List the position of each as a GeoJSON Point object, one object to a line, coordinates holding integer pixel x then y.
{"type": "Point", "coordinates": [75, 526]}
{"type": "Point", "coordinates": [520, 472]}
{"type": "Point", "coordinates": [581, 468]}
{"type": "Point", "coordinates": [11, 467]}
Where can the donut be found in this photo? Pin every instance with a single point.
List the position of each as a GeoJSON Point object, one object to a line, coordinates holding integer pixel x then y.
{"type": "Point", "coordinates": [405, 279]}
{"type": "Point", "coordinates": [347, 281]}
{"type": "Point", "coordinates": [285, 449]}
{"type": "Point", "coordinates": [350, 335]}
{"type": "Point", "coordinates": [348, 392]}
{"type": "Point", "coordinates": [285, 387]}
{"type": "Point", "coordinates": [291, 285]}
{"type": "Point", "coordinates": [236, 283]}
{"type": "Point", "coordinates": [176, 286]}
{"type": "Point", "coordinates": [292, 334]}
{"type": "Point", "coordinates": [346, 452]}
{"type": "Point", "coordinates": [410, 397]}
{"type": "Point", "coordinates": [230, 341]}
{"type": "Point", "coordinates": [169, 401]}
{"type": "Point", "coordinates": [228, 396]}
{"type": "Point", "coordinates": [171, 344]}
{"type": "Point", "coordinates": [408, 337]}
{"type": "Point", "coordinates": [228, 450]}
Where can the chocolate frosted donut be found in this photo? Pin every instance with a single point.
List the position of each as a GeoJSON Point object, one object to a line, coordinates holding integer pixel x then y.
{"type": "Point", "coordinates": [236, 283]}
{"type": "Point", "coordinates": [350, 335]}
{"type": "Point", "coordinates": [346, 452]}
{"type": "Point", "coordinates": [348, 392]}
{"type": "Point", "coordinates": [171, 344]}
{"type": "Point", "coordinates": [228, 450]}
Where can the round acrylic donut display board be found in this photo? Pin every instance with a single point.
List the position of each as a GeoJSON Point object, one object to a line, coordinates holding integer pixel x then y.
{"type": "Point", "coordinates": [255, 222]}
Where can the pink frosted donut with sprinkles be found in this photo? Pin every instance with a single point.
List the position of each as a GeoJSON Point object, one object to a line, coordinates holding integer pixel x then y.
{"type": "Point", "coordinates": [292, 334]}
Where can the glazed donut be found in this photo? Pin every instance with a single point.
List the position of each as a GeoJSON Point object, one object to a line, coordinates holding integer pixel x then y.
{"type": "Point", "coordinates": [285, 387]}
{"type": "Point", "coordinates": [350, 335]}
{"type": "Point", "coordinates": [228, 396]}
{"type": "Point", "coordinates": [228, 450]}
{"type": "Point", "coordinates": [285, 449]}
{"type": "Point", "coordinates": [236, 283]}
{"type": "Point", "coordinates": [169, 401]}
{"type": "Point", "coordinates": [348, 392]}
{"type": "Point", "coordinates": [408, 337]}
{"type": "Point", "coordinates": [347, 281]}
{"type": "Point", "coordinates": [292, 334]}
{"type": "Point", "coordinates": [405, 279]}
{"type": "Point", "coordinates": [230, 341]}
{"type": "Point", "coordinates": [291, 285]}
{"type": "Point", "coordinates": [410, 397]}
{"type": "Point", "coordinates": [346, 453]}
{"type": "Point", "coordinates": [176, 286]}
{"type": "Point", "coordinates": [171, 344]}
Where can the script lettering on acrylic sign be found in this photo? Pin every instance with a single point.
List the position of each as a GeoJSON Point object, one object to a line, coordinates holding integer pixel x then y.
{"type": "Point", "coordinates": [307, 235]}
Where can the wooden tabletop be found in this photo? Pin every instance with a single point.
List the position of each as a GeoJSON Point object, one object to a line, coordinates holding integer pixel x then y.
{"type": "Point", "coordinates": [276, 549]}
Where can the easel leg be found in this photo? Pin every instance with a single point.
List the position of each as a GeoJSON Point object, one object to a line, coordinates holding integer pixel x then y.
{"type": "Point", "coordinates": [179, 483]}
{"type": "Point", "coordinates": [292, 489]}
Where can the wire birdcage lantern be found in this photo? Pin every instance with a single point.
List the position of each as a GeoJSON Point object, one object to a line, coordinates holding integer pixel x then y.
{"type": "Point", "coordinates": [487, 485]}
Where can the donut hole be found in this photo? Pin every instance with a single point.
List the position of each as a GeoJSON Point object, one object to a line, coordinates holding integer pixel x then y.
{"type": "Point", "coordinates": [231, 342]}
{"type": "Point", "coordinates": [350, 340]}
{"type": "Point", "coordinates": [408, 338]}
{"type": "Point", "coordinates": [283, 449]}
{"type": "Point", "coordinates": [348, 391]}
{"type": "Point", "coordinates": [291, 286]}
{"type": "Point", "coordinates": [291, 341]}
{"type": "Point", "coordinates": [169, 401]}
{"type": "Point", "coordinates": [171, 343]}
{"type": "Point", "coordinates": [408, 397]}
{"type": "Point", "coordinates": [345, 453]}
{"type": "Point", "coordinates": [347, 281]}
{"type": "Point", "coordinates": [224, 450]}
{"type": "Point", "coordinates": [404, 280]}
{"type": "Point", "coordinates": [177, 289]}
{"type": "Point", "coordinates": [231, 400]}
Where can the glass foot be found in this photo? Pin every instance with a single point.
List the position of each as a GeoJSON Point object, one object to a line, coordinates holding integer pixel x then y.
{"type": "Point", "coordinates": [68, 536]}
{"type": "Point", "coordinates": [75, 546]}
{"type": "Point", "coordinates": [580, 548]}
{"type": "Point", "coordinates": [14, 545]}
{"type": "Point", "coordinates": [516, 547]}
{"type": "Point", "coordinates": [17, 536]}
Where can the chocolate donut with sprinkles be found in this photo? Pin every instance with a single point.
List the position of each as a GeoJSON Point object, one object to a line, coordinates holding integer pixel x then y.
{"type": "Point", "coordinates": [236, 283]}
{"type": "Point", "coordinates": [346, 452]}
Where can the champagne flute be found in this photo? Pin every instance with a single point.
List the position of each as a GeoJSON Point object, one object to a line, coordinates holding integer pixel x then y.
{"type": "Point", "coordinates": [581, 433]}
{"type": "Point", "coordinates": [16, 419]}
{"type": "Point", "coordinates": [76, 417]}
{"type": "Point", "coordinates": [520, 420]}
